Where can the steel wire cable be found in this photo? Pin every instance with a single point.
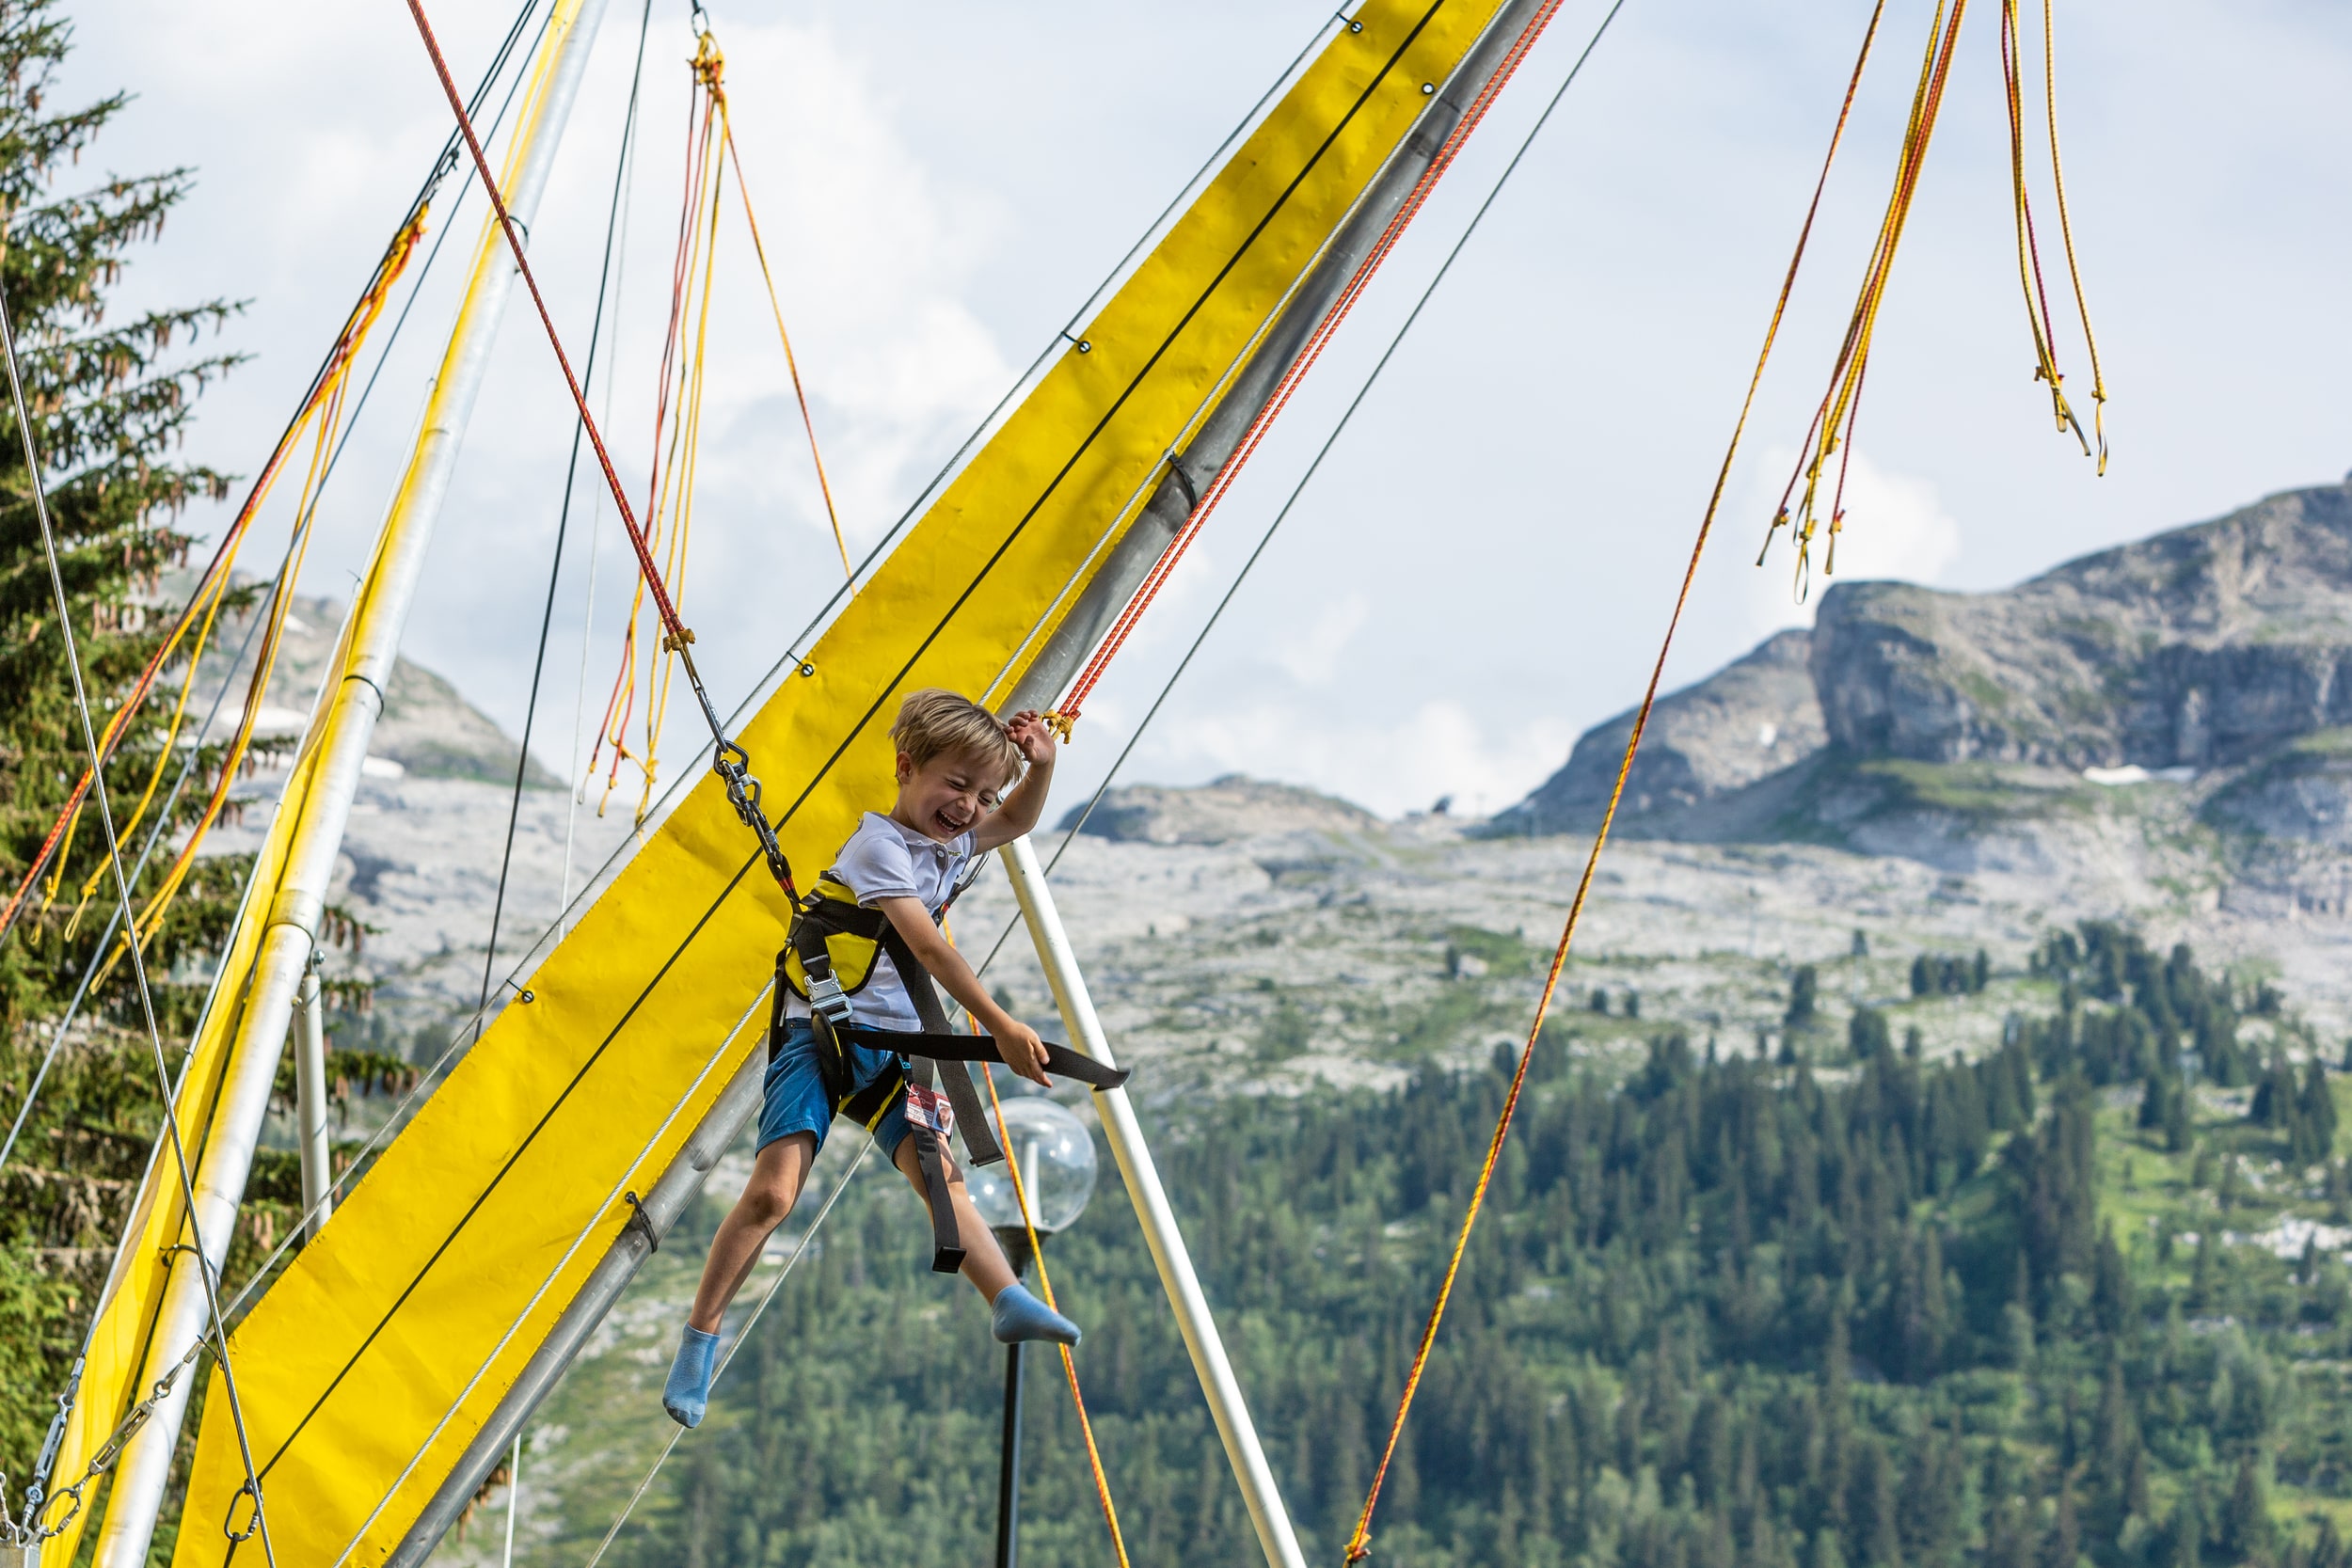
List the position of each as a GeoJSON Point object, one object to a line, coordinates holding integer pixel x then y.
{"type": "Point", "coordinates": [114, 923]}
{"type": "Point", "coordinates": [564, 514]}
{"type": "Point", "coordinates": [1314, 466]}
{"type": "Point", "coordinates": [466, 1028]}
{"type": "Point", "coordinates": [443, 164]}
{"type": "Point", "coordinates": [122, 888]}
{"type": "Point", "coordinates": [440, 168]}
{"type": "Point", "coordinates": [742, 1335]}
{"type": "Point", "coordinates": [662, 597]}
{"type": "Point", "coordinates": [695, 930]}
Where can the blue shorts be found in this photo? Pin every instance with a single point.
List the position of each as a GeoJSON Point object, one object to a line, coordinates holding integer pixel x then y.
{"type": "Point", "coordinates": [794, 1100]}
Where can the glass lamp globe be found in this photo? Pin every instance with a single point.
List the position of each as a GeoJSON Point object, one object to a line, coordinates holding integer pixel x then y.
{"type": "Point", "coordinates": [1057, 1160]}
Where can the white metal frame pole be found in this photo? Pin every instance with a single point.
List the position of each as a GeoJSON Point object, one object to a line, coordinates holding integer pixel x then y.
{"type": "Point", "coordinates": [345, 729]}
{"type": "Point", "coordinates": [318, 1177]}
{"type": "Point", "coordinates": [1193, 1319]}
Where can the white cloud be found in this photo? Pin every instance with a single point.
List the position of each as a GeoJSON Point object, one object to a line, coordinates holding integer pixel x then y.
{"type": "Point", "coordinates": [1895, 528]}
{"type": "Point", "coordinates": [1310, 653]}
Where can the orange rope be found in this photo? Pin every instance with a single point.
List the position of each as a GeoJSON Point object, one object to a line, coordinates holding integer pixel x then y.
{"type": "Point", "coordinates": [1066, 714]}
{"type": "Point", "coordinates": [808, 422]}
{"type": "Point", "coordinates": [214, 579]}
{"type": "Point", "coordinates": [1359, 1542]}
{"type": "Point", "coordinates": [669, 487]}
{"type": "Point", "coordinates": [1069, 1367]}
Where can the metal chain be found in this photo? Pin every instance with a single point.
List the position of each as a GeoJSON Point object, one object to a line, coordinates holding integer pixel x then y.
{"type": "Point", "coordinates": [30, 1531]}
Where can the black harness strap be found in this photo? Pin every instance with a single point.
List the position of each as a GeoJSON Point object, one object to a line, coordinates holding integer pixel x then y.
{"type": "Point", "coordinates": [935, 1051]}
{"type": "Point", "coordinates": [1060, 1060]}
{"type": "Point", "coordinates": [930, 1154]}
{"type": "Point", "coordinates": [978, 1140]}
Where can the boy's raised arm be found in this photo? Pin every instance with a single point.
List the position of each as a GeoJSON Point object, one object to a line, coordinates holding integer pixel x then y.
{"type": "Point", "coordinates": [1026, 803]}
{"type": "Point", "coordinates": [1023, 1052]}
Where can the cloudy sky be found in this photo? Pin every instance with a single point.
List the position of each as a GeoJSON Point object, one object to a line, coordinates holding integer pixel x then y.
{"type": "Point", "coordinates": [1484, 566]}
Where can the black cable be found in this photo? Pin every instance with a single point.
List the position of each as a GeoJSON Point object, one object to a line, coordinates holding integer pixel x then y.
{"type": "Point", "coordinates": [563, 516]}
{"type": "Point", "coordinates": [154, 832]}
{"type": "Point", "coordinates": [442, 166]}
{"type": "Point", "coordinates": [1307, 478]}
{"type": "Point", "coordinates": [790, 658]}
{"type": "Point", "coordinates": [1052, 346]}
{"type": "Point", "coordinates": [644, 993]}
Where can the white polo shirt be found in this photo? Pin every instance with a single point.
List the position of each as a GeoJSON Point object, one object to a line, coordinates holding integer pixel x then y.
{"type": "Point", "coordinates": [886, 859]}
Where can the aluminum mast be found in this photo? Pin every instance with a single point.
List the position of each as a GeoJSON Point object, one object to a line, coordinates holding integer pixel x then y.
{"type": "Point", "coordinates": [344, 729]}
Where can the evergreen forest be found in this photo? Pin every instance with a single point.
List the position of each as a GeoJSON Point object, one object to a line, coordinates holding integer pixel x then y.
{"type": "Point", "coordinates": [1837, 1306]}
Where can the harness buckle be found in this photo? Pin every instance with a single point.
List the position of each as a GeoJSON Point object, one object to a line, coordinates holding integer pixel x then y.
{"type": "Point", "coordinates": [826, 996]}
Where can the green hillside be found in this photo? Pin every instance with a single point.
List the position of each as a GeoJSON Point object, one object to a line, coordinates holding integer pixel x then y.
{"type": "Point", "coordinates": [1848, 1306]}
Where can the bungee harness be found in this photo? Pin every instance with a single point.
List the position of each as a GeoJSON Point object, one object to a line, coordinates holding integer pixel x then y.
{"type": "Point", "coordinates": [831, 953]}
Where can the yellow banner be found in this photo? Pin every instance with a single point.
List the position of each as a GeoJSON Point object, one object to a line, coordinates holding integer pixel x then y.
{"type": "Point", "coordinates": [369, 1365]}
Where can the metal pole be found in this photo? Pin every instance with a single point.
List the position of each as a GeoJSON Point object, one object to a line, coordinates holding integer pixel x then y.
{"type": "Point", "coordinates": [343, 733]}
{"type": "Point", "coordinates": [1125, 567]}
{"type": "Point", "coordinates": [1130, 560]}
{"type": "Point", "coordinates": [513, 1498]}
{"type": "Point", "coordinates": [1193, 1320]}
{"type": "Point", "coordinates": [1016, 1246]}
{"type": "Point", "coordinates": [311, 1103]}
{"type": "Point", "coordinates": [1009, 1465]}
{"type": "Point", "coordinates": [662, 1204]}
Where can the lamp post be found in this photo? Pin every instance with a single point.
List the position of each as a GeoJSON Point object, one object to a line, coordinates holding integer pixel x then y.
{"type": "Point", "coordinates": [1056, 1157]}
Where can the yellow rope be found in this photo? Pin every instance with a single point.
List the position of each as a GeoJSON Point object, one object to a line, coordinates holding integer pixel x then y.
{"type": "Point", "coordinates": [685, 461]}
{"type": "Point", "coordinates": [1359, 1541]}
{"type": "Point", "coordinates": [324, 416]}
{"type": "Point", "coordinates": [211, 595]}
{"type": "Point", "coordinates": [808, 422]}
{"type": "Point", "coordinates": [1833, 421]}
{"type": "Point", "coordinates": [1069, 1367]}
{"type": "Point", "coordinates": [2066, 231]}
{"type": "Point", "coordinates": [2029, 260]}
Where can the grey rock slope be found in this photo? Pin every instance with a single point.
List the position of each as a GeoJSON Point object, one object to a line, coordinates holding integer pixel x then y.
{"type": "Point", "coordinates": [427, 835]}
{"type": "Point", "coordinates": [427, 728]}
{"type": "Point", "coordinates": [1745, 722]}
{"type": "Point", "coordinates": [1232, 808]}
{"type": "Point", "coordinates": [2217, 658]}
{"type": "Point", "coordinates": [2210, 645]}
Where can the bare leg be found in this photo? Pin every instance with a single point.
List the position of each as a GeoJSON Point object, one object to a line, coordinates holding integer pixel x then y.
{"type": "Point", "coordinates": [984, 1263]}
{"type": "Point", "coordinates": [767, 1200]}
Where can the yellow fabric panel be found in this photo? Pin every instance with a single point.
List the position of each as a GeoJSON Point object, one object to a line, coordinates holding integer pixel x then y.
{"type": "Point", "coordinates": [367, 1367]}
{"type": "Point", "coordinates": [127, 1317]}
{"type": "Point", "coordinates": [125, 1323]}
{"type": "Point", "coordinates": [114, 1373]}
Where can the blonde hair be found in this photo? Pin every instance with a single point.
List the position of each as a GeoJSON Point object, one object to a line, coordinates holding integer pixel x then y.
{"type": "Point", "coordinates": [936, 723]}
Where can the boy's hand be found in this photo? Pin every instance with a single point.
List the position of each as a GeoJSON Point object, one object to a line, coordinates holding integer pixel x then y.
{"type": "Point", "coordinates": [1030, 733]}
{"type": "Point", "coordinates": [1023, 1052]}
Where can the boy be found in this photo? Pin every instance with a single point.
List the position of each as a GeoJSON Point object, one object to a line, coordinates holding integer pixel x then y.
{"type": "Point", "coordinates": [955, 761]}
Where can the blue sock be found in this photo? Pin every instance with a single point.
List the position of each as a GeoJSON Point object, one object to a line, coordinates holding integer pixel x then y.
{"type": "Point", "coordinates": [1019, 1315]}
{"type": "Point", "coordinates": [687, 1392]}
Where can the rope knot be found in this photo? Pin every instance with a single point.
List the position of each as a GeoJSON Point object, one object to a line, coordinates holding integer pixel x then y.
{"type": "Point", "coordinates": [1061, 723]}
{"type": "Point", "coordinates": [678, 641]}
{"type": "Point", "coordinates": [709, 64]}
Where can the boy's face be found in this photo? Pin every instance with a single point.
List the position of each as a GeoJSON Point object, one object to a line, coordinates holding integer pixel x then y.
{"type": "Point", "coordinates": [947, 796]}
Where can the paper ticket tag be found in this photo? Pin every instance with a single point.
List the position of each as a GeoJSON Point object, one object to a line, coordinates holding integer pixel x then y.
{"type": "Point", "coordinates": [930, 1108]}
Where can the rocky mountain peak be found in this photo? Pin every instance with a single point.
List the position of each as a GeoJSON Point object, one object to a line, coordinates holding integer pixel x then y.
{"type": "Point", "coordinates": [2206, 646]}
{"type": "Point", "coordinates": [2225, 646]}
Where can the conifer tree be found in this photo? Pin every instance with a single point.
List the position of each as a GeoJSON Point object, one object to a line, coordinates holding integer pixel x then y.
{"type": "Point", "coordinates": [112, 397]}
